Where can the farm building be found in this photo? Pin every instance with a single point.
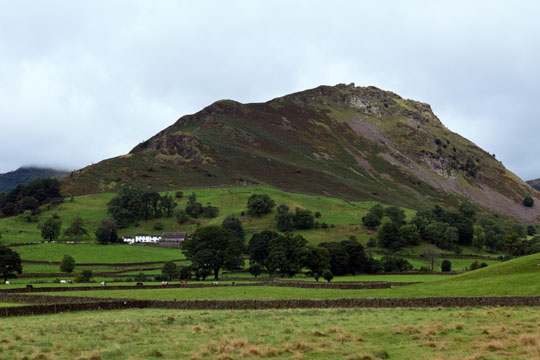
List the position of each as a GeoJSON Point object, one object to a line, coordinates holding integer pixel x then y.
{"type": "Point", "coordinates": [166, 239]}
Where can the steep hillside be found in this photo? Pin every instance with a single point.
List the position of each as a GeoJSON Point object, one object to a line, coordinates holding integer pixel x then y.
{"type": "Point", "coordinates": [358, 143]}
{"type": "Point", "coordinates": [535, 184]}
{"type": "Point", "coordinates": [24, 175]}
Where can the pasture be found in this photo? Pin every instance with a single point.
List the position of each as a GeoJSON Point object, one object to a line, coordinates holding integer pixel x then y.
{"type": "Point", "coordinates": [469, 333]}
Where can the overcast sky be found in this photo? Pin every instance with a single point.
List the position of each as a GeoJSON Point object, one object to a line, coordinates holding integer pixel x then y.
{"type": "Point", "coordinates": [81, 81]}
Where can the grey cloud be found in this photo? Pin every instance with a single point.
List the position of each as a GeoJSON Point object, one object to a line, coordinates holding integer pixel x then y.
{"type": "Point", "coordinates": [83, 81]}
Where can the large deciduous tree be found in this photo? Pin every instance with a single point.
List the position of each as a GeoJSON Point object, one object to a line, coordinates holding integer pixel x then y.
{"type": "Point", "coordinates": [76, 229]}
{"type": "Point", "coordinates": [214, 247]}
{"type": "Point", "coordinates": [106, 232]}
{"type": "Point", "coordinates": [50, 230]}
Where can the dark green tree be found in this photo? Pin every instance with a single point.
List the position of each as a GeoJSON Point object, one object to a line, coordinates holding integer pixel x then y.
{"type": "Point", "coordinates": [214, 247]}
{"type": "Point", "coordinates": [303, 219]}
{"type": "Point", "coordinates": [317, 260]}
{"type": "Point", "coordinates": [410, 234]}
{"type": "Point", "coordinates": [259, 246]}
{"type": "Point", "coordinates": [260, 204]}
{"type": "Point", "coordinates": [255, 269]}
{"type": "Point", "coordinates": [446, 265]}
{"type": "Point", "coordinates": [284, 218]}
{"type": "Point", "coordinates": [193, 208]}
{"type": "Point", "coordinates": [169, 271]}
{"type": "Point", "coordinates": [50, 229]}
{"type": "Point", "coordinates": [389, 236]}
{"type": "Point", "coordinates": [167, 204]}
{"type": "Point", "coordinates": [528, 201]}
{"type": "Point", "coordinates": [327, 275]}
{"type": "Point", "coordinates": [287, 254]}
{"type": "Point", "coordinates": [68, 264]}
{"type": "Point", "coordinates": [371, 221]}
{"type": "Point", "coordinates": [396, 214]}
{"type": "Point", "coordinates": [10, 263]}
{"type": "Point", "coordinates": [107, 232]}
{"type": "Point", "coordinates": [76, 229]}
{"type": "Point", "coordinates": [210, 211]}
{"type": "Point", "coordinates": [233, 223]}
{"type": "Point", "coordinates": [531, 230]}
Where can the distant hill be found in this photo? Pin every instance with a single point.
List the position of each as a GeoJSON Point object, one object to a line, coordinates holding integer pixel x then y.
{"type": "Point", "coordinates": [535, 184]}
{"type": "Point", "coordinates": [23, 175]}
{"type": "Point", "coordinates": [357, 143]}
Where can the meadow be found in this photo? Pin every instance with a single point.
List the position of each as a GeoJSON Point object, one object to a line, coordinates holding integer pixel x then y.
{"type": "Point", "coordinates": [352, 334]}
{"type": "Point", "coordinates": [515, 277]}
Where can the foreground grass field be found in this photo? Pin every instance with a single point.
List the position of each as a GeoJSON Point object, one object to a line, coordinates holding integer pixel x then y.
{"type": "Point", "coordinates": [480, 333]}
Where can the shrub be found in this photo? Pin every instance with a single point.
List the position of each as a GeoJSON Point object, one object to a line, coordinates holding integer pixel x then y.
{"type": "Point", "coordinates": [141, 277]}
{"type": "Point", "coordinates": [327, 275]}
{"type": "Point", "coordinates": [178, 194]}
{"type": "Point", "coordinates": [528, 201]}
{"type": "Point", "coordinates": [324, 225]}
{"type": "Point", "coordinates": [317, 214]}
{"type": "Point", "coordinates": [531, 230]}
{"type": "Point", "coordinates": [210, 211]}
{"type": "Point", "coordinates": [475, 265]}
{"type": "Point", "coordinates": [68, 264]}
{"type": "Point", "coordinates": [260, 204]}
{"type": "Point", "coordinates": [255, 269]}
{"type": "Point", "coordinates": [483, 265]}
{"type": "Point", "coordinates": [169, 270]}
{"type": "Point", "coordinates": [84, 277]}
{"type": "Point", "coordinates": [372, 242]}
{"type": "Point", "coordinates": [446, 265]}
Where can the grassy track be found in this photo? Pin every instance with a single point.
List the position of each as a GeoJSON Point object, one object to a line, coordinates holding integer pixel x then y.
{"type": "Point", "coordinates": [480, 333]}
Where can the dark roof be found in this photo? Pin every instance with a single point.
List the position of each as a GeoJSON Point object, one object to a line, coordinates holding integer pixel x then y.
{"type": "Point", "coordinates": [173, 235]}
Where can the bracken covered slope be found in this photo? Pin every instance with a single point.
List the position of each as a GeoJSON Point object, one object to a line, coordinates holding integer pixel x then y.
{"type": "Point", "coordinates": [358, 143]}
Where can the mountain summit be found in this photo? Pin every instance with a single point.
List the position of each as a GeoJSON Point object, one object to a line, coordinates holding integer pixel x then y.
{"type": "Point", "coordinates": [358, 143]}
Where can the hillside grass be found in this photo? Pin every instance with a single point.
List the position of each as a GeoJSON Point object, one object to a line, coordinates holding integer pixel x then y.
{"type": "Point", "coordinates": [343, 217]}
{"type": "Point", "coordinates": [471, 333]}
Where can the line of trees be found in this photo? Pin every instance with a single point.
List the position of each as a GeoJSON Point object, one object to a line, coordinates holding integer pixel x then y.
{"type": "Point", "coordinates": [450, 230]}
{"type": "Point", "coordinates": [29, 197]}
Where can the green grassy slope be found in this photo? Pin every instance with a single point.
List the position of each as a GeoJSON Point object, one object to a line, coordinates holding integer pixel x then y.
{"type": "Point", "coordinates": [346, 216]}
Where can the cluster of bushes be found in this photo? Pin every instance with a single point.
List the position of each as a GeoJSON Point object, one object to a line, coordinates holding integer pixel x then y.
{"type": "Point", "coordinates": [195, 210]}
{"type": "Point", "coordinates": [29, 197]}
{"type": "Point", "coordinates": [132, 204]}
{"type": "Point", "coordinates": [300, 219]}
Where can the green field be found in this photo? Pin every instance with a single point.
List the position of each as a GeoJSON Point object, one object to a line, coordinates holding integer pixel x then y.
{"type": "Point", "coordinates": [479, 333]}
{"type": "Point", "coordinates": [94, 253]}
{"type": "Point", "coordinates": [515, 277]}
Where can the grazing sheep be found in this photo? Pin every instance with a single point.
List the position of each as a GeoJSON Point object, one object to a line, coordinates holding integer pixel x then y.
{"type": "Point", "coordinates": [103, 283]}
{"type": "Point", "coordinates": [215, 283]}
{"type": "Point", "coordinates": [63, 281]}
{"type": "Point", "coordinates": [164, 283]}
{"type": "Point", "coordinates": [6, 282]}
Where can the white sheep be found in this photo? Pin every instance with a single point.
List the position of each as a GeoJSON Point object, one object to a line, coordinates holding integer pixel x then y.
{"type": "Point", "coordinates": [6, 282]}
